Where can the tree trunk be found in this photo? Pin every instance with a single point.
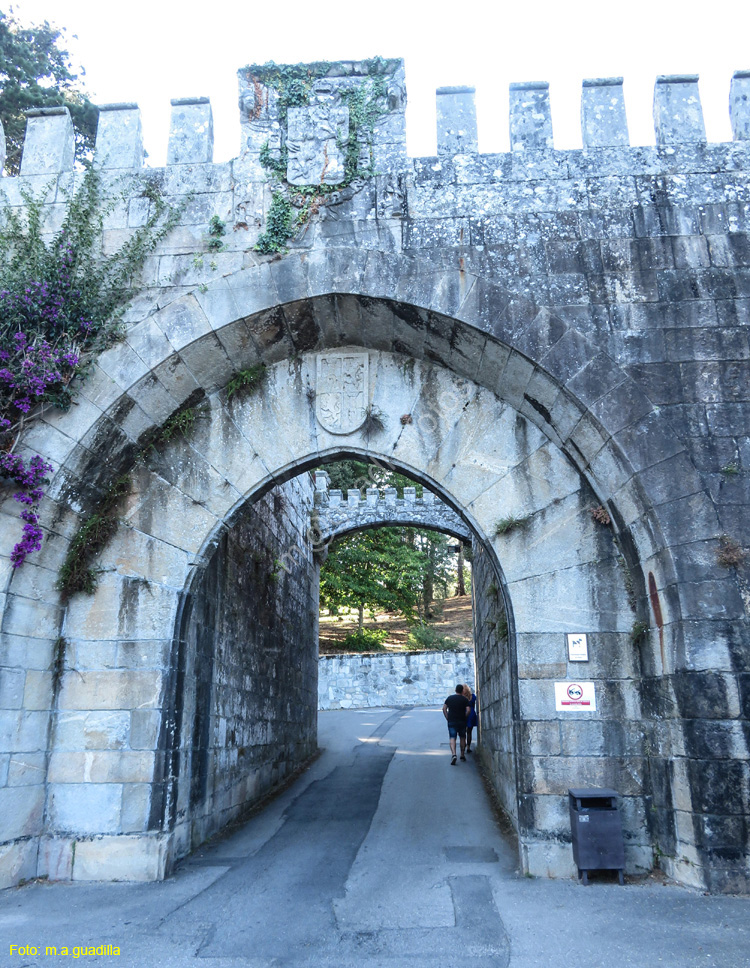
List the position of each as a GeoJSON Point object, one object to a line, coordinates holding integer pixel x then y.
{"type": "Point", "coordinates": [428, 589]}
{"type": "Point", "coordinates": [461, 590]}
{"type": "Point", "coordinates": [361, 616]}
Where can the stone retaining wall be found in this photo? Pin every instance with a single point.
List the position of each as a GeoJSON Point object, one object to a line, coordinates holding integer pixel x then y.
{"type": "Point", "coordinates": [407, 679]}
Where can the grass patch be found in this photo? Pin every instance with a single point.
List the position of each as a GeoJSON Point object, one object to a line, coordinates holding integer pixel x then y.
{"type": "Point", "coordinates": [374, 422]}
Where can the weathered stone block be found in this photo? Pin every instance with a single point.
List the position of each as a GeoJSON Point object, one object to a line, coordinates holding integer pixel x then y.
{"type": "Point", "coordinates": [49, 144]}
{"type": "Point", "coordinates": [18, 862]}
{"type": "Point", "coordinates": [27, 769]}
{"type": "Point", "coordinates": [191, 132]}
{"type": "Point", "coordinates": [84, 808]}
{"type": "Point", "coordinates": [21, 808]}
{"type": "Point", "coordinates": [101, 766]}
{"type": "Point", "coordinates": [603, 119]}
{"type": "Point", "coordinates": [81, 730]}
{"type": "Point", "coordinates": [124, 689]}
{"type": "Point", "coordinates": [126, 858]}
{"type": "Point", "coordinates": [456, 121]}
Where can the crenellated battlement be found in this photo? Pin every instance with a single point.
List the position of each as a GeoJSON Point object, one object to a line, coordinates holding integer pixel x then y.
{"type": "Point", "coordinates": [313, 135]}
{"type": "Point", "coordinates": [335, 514]}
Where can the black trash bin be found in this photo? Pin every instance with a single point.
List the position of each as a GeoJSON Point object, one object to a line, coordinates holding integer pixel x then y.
{"type": "Point", "coordinates": [596, 829]}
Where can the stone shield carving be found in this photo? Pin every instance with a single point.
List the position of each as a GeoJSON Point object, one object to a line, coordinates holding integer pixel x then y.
{"type": "Point", "coordinates": [342, 391]}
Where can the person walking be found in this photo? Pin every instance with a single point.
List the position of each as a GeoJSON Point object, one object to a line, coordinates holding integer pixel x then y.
{"type": "Point", "coordinates": [471, 719]}
{"type": "Point", "coordinates": [455, 709]}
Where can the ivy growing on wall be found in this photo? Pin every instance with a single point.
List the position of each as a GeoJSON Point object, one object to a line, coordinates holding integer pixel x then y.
{"type": "Point", "coordinates": [60, 304]}
{"type": "Point", "coordinates": [293, 205]}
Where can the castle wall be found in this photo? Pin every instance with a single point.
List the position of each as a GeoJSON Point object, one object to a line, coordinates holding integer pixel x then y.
{"type": "Point", "coordinates": [602, 293]}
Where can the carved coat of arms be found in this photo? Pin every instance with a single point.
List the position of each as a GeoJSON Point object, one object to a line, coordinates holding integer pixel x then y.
{"type": "Point", "coordinates": [342, 391]}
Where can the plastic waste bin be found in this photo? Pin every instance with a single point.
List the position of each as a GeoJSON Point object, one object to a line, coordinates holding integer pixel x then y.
{"type": "Point", "coordinates": [596, 831]}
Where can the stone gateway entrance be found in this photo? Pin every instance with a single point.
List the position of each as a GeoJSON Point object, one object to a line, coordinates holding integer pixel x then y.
{"type": "Point", "coordinates": [554, 343]}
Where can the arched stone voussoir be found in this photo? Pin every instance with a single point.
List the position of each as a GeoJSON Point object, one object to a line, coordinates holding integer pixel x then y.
{"type": "Point", "coordinates": [157, 508]}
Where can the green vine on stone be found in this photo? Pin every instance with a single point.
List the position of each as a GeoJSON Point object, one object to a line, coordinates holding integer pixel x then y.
{"type": "Point", "coordinates": [294, 85]}
{"type": "Point", "coordinates": [76, 573]}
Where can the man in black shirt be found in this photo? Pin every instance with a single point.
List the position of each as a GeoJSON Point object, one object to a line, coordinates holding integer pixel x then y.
{"type": "Point", "coordinates": [455, 709]}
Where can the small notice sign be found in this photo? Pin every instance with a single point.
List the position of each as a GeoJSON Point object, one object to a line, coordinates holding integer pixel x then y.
{"type": "Point", "coordinates": [578, 647]}
{"type": "Point", "coordinates": [575, 696]}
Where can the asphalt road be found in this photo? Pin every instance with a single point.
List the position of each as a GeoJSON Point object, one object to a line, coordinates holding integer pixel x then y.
{"type": "Point", "coordinates": [381, 854]}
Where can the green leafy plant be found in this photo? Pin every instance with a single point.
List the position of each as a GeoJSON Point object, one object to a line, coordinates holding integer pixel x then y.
{"type": "Point", "coordinates": [61, 303]}
{"type": "Point", "coordinates": [247, 381]}
{"type": "Point", "coordinates": [428, 638]}
{"type": "Point", "coordinates": [511, 523]}
{"type": "Point", "coordinates": [216, 231]}
{"type": "Point", "coordinates": [281, 224]}
{"type": "Point", "coordinates": [638, 631]}
{"type": "Point", "coordinates": [293, 83]}
{"type": "Point", "coordinates": [730, 470]}
{"type": "Point", "coordinates": [366, 640]}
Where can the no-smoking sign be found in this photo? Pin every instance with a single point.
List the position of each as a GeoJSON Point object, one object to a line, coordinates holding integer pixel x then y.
{"type": "Point", "coordinates": [573, 696]}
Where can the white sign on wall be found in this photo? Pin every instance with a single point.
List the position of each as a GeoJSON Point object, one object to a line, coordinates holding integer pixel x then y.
{"type": "Point", "coordinates": [578, 648]}
{"type": "Point", "coordinates": [575, 696]}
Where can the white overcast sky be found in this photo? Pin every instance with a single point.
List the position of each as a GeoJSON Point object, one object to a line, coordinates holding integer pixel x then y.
{"type": "Point", "coordinates": [150, 51]}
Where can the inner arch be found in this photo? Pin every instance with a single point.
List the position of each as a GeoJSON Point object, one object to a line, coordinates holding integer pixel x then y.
{"type": "Point", "coordinates": [560, 569]}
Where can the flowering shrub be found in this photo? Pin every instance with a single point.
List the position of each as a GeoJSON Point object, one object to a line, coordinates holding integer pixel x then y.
{"type": "Point", "coordinates": [60, 302]}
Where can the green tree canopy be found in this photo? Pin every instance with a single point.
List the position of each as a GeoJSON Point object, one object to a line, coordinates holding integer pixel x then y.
{"type": "Point", "coordinates": [374, 569]}
{"type": "Point", "coordinates": [389, 569]}
{"type": "Point", "coordinates": [36, 72]}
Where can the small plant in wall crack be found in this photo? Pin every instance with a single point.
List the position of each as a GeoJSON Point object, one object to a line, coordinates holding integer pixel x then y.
{"type": "Point", "coordinates": [374, 422]}
{"type": "Point", "coordinates": [730, 553]}
{"type": "Point", "coordinates": [601, 515]}
{"type": "Point", "coordinates": [511, 523]}
{"type": "Point", "coordinates": [638, 631]}
{"type": "Point", "coordinates": [76, 573]}
{"type": "Point", "coordinates": [216, 231]}
{"type": "Point", "coordinates": [245, 382]}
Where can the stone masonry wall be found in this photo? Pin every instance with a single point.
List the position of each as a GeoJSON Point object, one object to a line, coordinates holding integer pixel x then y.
{"type": "Point", "coordinates": [250, 711]}
{"type": "Point", "coordinates": [408, 679]}
{"type": "Point", "coordinates": [494, 680]}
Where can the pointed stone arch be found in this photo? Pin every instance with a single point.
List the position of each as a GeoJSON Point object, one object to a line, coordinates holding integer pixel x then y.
{"type": "Point", "coordinates": [594, 423]}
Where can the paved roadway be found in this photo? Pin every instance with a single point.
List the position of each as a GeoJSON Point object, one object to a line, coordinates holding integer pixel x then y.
{"type": "Point", "coordinates": [381, 855]}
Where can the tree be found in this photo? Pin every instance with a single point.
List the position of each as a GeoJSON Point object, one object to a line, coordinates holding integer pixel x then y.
{"type": "Point", "coordinates": [36, 72]}
{"type": "Point", "coordinates": [394, 569]}
{"type": "Point", "coordinates": [372, 569]}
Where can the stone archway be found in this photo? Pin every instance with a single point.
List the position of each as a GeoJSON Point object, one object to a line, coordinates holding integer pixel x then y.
{"type": "Point", "coordinates": [593, 418]}
{"type": "Point", "coordinates": [560, 573]}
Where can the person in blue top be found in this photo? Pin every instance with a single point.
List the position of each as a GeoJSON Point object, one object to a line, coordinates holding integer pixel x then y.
{"type": "Point", "coordinates": [471, 717]}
